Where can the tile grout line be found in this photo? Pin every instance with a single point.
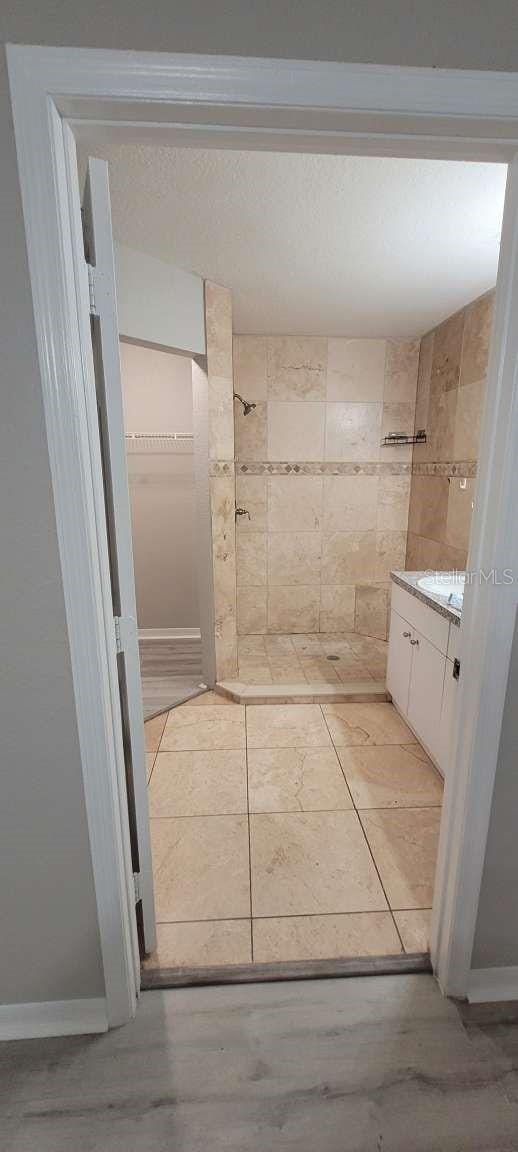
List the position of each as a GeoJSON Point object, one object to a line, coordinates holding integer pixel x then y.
{"type": "Point", "coordinates": [295, 916]}
{"type": "Point", "coordinates": [364, 832]}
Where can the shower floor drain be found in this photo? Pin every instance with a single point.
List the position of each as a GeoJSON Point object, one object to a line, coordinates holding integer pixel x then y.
{"type": "Point", "coordinates": [333, 657]}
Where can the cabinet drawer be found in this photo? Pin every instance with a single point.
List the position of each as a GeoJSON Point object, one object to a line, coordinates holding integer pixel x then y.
{"type": "Point", "coordinates": [429, 623]}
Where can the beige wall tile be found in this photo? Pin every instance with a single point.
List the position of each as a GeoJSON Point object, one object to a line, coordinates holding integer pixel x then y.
{"type": "Point", "coordinates": [295, 431]}
{"type": "Point", "coordinates": [296, 367]}
{"type": "Point", "coordinates": [429, 506]}
{"type": "Point", "coordinates": [421, 419]}
{"type": "Point", "coordinates": [337, 608]}
{"type": "Point", "coordinates": [221, 418]}
{"type": "Point", "coordinates": [294, 503]}
{"type": "Point", "coordinates": [422, 554]}
{"type": "Point", "coordinates": [250, 433]}
{"type": "Point", "coordinates": [442, 414]}
{"type": "Point", "coordinates": [477, 332]}
{"type": "Point", "coordinates": [458, 520]}
{"type": "Point", "coordinates": [293, 609]}
{"type": "Point", "coordinates": [470, 401]}
{"type": "Point", "coordinates": [371, 610]}
{"type": "Point", "coordinates": [224, 572]}
{"type": "Point", "coordinates": [353, 431]}
{"type": "Point", "coordinates": [250, 367]}
{"type": "Point", "coordinates": [251, 559]}
{"type": "Point", "coordinates": [401, 371]}
{"type": "Point", "coordinates": [218, 324]}
{"type": "Point", "coordinates": [397, 418]}
{"type": "Point", "coordinates": [251, 611]}
{"type": "Point", "coordinates": [393, 503]}
{"type": "Point", "coordinates": [355, 369]}
{"type": "Point", "coordinates": [452, 558]}
{"type": "Point", "coordinates": [350, 502]}
{"type": "Point", "coordinates": [390, 554]}
{"type": "Point", "coordinates": [294, 558]}
{"type": "Point", "coordinates": [251, 494]}
{"type": "Point", "coordinates": [348, 557]}
{"type": "Point", "coordinates": [447, 349]}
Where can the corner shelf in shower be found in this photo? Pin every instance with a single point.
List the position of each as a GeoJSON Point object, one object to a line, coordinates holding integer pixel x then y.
{"type": "Point", "coordinates": [403, 438]}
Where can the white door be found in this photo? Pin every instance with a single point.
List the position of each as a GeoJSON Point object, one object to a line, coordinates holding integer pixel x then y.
{"type": "Point", "coordinates": [399, 661]}
{"type": "Point", "coordinates": [425, 696]}
{"type": "Point", "coordinates": [449, 708]}
{"type": "Point", "coordinates": [105, 343]}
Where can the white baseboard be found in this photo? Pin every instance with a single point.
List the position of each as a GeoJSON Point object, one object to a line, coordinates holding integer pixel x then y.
{"type": "Point", "coordinates": [492, 984]}
{"type": "Point", "coordinates": [52, 1018]}
{"type": "Point", "coordinates": [169, 634]}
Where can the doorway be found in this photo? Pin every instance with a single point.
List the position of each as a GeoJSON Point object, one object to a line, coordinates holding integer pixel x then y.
{"type": "Point", "coordinates": [481, 700]}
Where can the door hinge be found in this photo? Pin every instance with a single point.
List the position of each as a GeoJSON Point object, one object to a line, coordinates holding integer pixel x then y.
{"type": "Point", "coordinates": [91, 290]}
{"type": "Point", "coordinates": [456, 669]}
{"type": "Point", "coordinates": [137, 886]}
{"type": "Point", "coordinates": [118, 635]}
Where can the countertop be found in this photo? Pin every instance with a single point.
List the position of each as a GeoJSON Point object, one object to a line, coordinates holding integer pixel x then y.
{"type": "Point", "coordinates": [408, 581]}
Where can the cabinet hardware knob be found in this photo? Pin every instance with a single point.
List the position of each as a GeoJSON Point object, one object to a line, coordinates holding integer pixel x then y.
{"type": "Point", "coordinates": [407, 634]}
{"type": "Point", "coordinates": [414, 641]}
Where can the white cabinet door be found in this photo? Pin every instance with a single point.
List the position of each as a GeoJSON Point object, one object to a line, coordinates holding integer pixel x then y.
{"type": "Point", "coordinates": [425, 696]}
{"type": "Point", "coordinates": [449, 705]}
{"type": "Point", "coordinates": [399, 661]}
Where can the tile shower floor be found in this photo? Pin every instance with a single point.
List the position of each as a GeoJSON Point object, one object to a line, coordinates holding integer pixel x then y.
{"type": "Point", "coordinates": [322, 658]}
{"type": "Point", "coordinates": [289, 832]}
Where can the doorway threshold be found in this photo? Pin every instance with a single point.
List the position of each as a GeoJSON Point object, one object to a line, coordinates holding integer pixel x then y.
{"type": "Point", "coordinates": [285, 970]}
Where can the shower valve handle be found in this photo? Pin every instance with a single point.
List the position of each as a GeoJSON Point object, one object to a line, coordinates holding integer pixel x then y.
{"type": "Point", "coordinates": [242, 512]}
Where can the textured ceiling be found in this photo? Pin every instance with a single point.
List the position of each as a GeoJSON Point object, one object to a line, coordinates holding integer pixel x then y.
{"type": "Point", "coordinates": [329, 245]}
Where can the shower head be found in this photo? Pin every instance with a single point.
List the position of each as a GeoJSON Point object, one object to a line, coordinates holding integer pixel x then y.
{"type": "Point", "coordinates": [247, 405]}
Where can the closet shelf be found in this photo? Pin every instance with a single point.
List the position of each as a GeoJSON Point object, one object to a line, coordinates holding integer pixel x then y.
{"type": "Point", "coordinates": [157, 441]}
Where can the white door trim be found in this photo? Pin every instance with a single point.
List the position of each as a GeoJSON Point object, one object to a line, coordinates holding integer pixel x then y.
{"type": "Point", "coordinates": [224, 101]}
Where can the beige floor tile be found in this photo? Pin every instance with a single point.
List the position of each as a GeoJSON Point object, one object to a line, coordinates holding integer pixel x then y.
{"type": "Point", "coordinates": [325, 937]}
{"type": "Point", "coordinates": [204, 728]}
{"type": "Point", "coordinates": [201, 944]}
{"type": "Point", "coordinates": [404, 846]}
{"type": "Point", "coordinates": [254, 673]}
{"type": "Point", "coordinates": [150, 760]}
{"type": "Point", "coordinates": [351, 724]}
{"type": "Point", "coordinates": [311, 862]}
{"type": "Point", "coordinates": [318, 670]}
{"type": "Point", "coordinates": [414, 929]}
{"type": "Point", "coordinates": [153, 730]}
{"type": "Point", "coordinates": [390, 776]}
{"type": "Point", "coordinates": [207, 699]}
{"type": "Point", "coordinates": [295, 780]}
{"type": "Point", "coordinates": [279, 646]}
{"type": "Point", "coordinates": [286, 726]}
{"type": "Point", "coordinates": [201, 868]}
{"type": "Point", "coordinates": [198, 783]}
{"type": "Point", "coordinates": [307, 645]}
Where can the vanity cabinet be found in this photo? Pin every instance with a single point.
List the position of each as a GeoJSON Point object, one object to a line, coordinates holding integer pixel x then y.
{"type": "Point", "coordinates": [420, 672]}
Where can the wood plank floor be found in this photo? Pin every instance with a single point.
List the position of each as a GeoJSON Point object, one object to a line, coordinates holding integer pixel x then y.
{"type": "Point", "coordinates": [170, 670]}
{"type": "Point", "coordinates": [379, 1064]}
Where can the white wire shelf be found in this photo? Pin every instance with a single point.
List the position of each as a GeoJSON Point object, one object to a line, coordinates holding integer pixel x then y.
{"type": "Point", "coordinates": [157, 442]}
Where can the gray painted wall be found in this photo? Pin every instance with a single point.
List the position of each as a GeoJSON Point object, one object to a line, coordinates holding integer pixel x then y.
{"type": "Point", "coordinates": [496, 935]}
{"type": "Point", "coordinates": [49, 938]}
{"type": "Point", "coordinates": [50, 942]}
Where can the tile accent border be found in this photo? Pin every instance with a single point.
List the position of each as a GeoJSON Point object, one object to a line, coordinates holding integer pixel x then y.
{"type": "Point", "coordinates": [464, 468]}
{"type": "Point", "coordinates": [321, 468]}
{"type": "Point", "coordinates": [221, 468]}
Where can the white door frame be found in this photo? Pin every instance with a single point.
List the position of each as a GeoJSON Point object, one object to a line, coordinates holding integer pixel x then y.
{"type": "Point", "coordinates": [294, 106]}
